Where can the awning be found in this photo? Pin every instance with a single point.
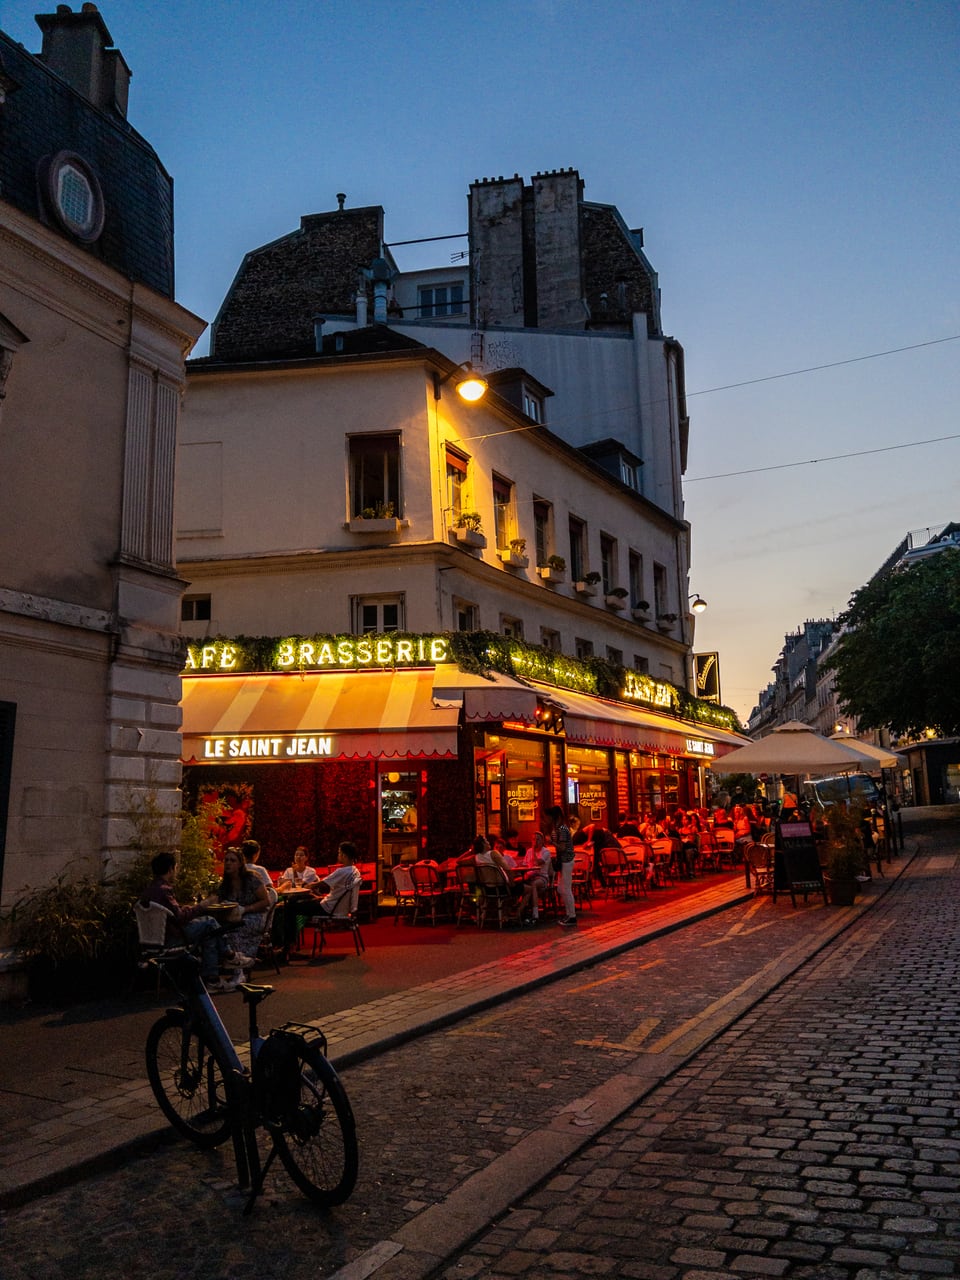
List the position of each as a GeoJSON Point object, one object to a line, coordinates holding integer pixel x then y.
{"type": "Point", "coordinates": [485, 697]}
{"type": "Point", "coordinates": [598, 722]}
{"type": "Point", "coordinates": [332, 715]}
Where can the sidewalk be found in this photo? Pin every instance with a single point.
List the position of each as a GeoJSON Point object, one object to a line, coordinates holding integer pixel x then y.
{"type": "Point", "coordinates": [60, 1141]}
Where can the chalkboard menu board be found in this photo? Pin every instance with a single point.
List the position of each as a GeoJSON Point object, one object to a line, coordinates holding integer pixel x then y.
{"type": "Point", "coordinates": [796, 863]}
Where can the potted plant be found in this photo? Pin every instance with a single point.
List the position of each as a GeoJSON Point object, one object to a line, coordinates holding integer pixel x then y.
{"type": "Point", "coordinates": [586, 586]}
{"type": "Point", "coordinates": [466, 528]}
{"type": "Point", "coordinates": [515, 555]}
{"type": "Point", "coordinates": [553, 569]}
{"type": "Point", "coordinates": [381, 518]}
{"type": "Point", "coordinates": [616, 597]}
{"type": "Point", "coordinates": [844, 859]}
{"type": "Point", "coordinates": [666, 620]}
{"type": "Point", "coordinates": [640, 610]}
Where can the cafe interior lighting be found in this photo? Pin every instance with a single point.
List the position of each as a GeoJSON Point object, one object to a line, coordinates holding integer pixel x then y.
{"type": "Point", "coordinates": [699, 604]}
{"type": "Point", "coordinates": [470, 385]}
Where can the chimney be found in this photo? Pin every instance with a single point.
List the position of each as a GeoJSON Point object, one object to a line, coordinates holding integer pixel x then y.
{"type": "Point", "coordinates": [78, 47]}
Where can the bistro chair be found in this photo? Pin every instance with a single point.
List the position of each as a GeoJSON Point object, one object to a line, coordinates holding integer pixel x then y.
{"type": "Point", "coordinates": [321, 923]}
{"type": "Point", "coordinates": [467, 892]}
{"type": "Point", "coordinates": [268, 951]}
{"type": "Point", "coordinates": [403, 890]}
{"type": "Point", "coordinates": [726, 846]}
{"type": "Point", "coordinates": [618, 875]}
{"type": "Point", "coordinates": [497, 894]}
{"type": "Point", "coordinates": [152, 931]}
{"type": "Point", "coordinates": [759, 859]}
{"type": "Point", "coordinates": [581, 880]}
{"type": "Point", "coordinates": [708, 852]}
{"type": "Point", "coordinates": [429, 893]}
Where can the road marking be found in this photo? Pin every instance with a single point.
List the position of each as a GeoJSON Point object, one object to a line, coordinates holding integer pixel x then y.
{"type": "Point", "coordinates": [633, 1041]}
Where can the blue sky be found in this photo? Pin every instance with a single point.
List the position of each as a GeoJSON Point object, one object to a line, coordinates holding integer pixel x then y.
{"type": "Point", "coordinates": [794, 166]}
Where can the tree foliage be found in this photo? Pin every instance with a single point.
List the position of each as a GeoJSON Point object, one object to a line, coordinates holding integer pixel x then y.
{"type": "Point", "coordinates": [897, 663]}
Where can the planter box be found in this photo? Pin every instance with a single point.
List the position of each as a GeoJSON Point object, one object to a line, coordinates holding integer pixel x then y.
{"type": "Point", "coordinates": [514, 559]}
{"type": "Point", "coordinates": [640, 615]}
{"type": "Point", "coordinates": [551, 575]}
{"type": "Point", "coordinates": [666, 624]}
{"type": "Point", "coordinates": [359, 525]}
{"type": "Point", "coordinates": [470, 537]}
{"type": "Point", "coordinates": [615, 602]}
{"type": "Point", "coordinates": [585, 588]}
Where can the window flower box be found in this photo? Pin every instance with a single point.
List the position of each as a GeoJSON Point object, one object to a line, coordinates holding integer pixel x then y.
{"type": "Point", "coordinates": [549, 573]}
{"type": "Point", "coordinates": [513, 559]}
{"type": "Point", "coordinates": [640, 611]}
{"type": "Point", "coordinates": [616, 598]}
{"type": "Point", "coordinates": [666, 621]}
{"type": "Point", "coordinates": [468, 537]}
{"type": "Point", "coordinates": [374, 524]}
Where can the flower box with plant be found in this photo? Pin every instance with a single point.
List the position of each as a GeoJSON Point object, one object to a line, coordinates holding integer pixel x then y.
{"type": "Point", "coordinates": [641, 609]}
{"type": "Point", "coordinates": [586, 586]}
{"type": "Point", "coordinates": [381, 518]}
{"type": "Point", "coordinates": [666, 620]}
{"type": "Point", "coordinates": [467, 529]}
{"type": "Point", "coordinates": [553, 569]}
{"type": "Point", "coordinates": [514, 555]}
{"type": "Point", "coordinates": [616, 598]}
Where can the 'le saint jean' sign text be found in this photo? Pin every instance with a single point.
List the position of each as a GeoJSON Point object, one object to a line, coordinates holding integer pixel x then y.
{"type": "Point", "coordinates": [325, 653]}
{"type": "Point", "coordinates": [248, 747]}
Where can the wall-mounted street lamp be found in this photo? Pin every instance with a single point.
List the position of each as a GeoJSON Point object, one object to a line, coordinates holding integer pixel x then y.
{"type": "Point", "coordinates": [470, 386]}
{"type": "Point", "coordinates": [699, 604]}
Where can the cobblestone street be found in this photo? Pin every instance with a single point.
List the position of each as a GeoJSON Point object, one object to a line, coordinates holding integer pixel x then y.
{"type": "Point", "coordinates": [816, 1137]}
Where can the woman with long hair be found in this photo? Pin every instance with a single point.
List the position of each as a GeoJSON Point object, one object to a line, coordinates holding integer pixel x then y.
{"type": "Point", "coordinates": [241, 886]}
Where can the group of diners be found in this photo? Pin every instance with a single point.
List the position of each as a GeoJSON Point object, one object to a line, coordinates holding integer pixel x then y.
{"type": "Point", "coordinates": [228, 944]}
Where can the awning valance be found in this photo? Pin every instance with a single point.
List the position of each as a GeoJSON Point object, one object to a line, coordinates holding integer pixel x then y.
{"type": "Point", "coordinates": [338, 715]}
{"type": "Point", "coordinates": [598, 722]}
{"type": "Point", "coordinates": [485, 697]}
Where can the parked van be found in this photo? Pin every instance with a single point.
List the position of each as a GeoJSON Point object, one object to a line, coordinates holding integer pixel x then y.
{"type": "Point", "coordinates": [845, 788]}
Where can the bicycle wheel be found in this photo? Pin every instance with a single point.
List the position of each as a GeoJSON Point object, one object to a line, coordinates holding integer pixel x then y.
{"type": "Point", "coordinates": [187, 1080]}
{"type": "Point", "coordinates": [310, 1120]}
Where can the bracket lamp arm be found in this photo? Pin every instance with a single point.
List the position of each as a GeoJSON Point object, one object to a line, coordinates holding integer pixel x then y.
{"type": "Point", "coordinates": [699, 604]}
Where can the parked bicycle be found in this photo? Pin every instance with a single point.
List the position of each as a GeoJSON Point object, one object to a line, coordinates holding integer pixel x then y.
{"type": "Point", "coordinates": [290, 1089]}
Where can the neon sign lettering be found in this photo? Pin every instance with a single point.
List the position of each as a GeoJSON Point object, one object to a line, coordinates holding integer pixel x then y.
{"type": "Point", "coordinates": [249, 747]}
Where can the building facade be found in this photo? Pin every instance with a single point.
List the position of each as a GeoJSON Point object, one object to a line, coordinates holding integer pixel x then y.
{"type": "Point", "coordinates": [333, 489]}
{"type": "Point", "coordinates": [92, 350]}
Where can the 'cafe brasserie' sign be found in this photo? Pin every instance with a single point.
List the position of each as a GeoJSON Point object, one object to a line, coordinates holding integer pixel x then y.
{"type": "Point", "coordinates": [324, 653]}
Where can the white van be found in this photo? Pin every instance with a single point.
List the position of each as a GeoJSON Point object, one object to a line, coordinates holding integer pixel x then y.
{"type": "Point", "coordinates": [844, 788]}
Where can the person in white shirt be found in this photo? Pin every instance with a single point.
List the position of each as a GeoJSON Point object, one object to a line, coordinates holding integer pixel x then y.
{"type": "Point", "coordinates": [299, 875]}
{"type": "Point", "coordinates": [250, 852]}
{"type": "Point", "coordinates": [340, 882]}
{"type": "Point", "coordinates": [538, 876]}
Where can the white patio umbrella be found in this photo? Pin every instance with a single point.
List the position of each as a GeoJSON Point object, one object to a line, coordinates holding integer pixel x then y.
{"type": "Point", "coordinates": [791, 748]}
{"type": "Point", "coordinates": [872, 755]}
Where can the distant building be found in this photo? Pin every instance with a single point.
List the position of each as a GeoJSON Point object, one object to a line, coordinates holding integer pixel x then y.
{"type": "Point", "coordinates": [92, 349]}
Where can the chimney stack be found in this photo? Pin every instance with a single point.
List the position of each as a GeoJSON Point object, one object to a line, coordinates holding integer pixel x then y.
{"type": "Point", "coordinates": [78, 47]}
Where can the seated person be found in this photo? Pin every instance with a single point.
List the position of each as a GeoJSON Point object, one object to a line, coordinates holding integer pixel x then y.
{"type": "Point", "coordinates": [508, 855]}
{"type": "Point", "coordinates": [241, 886]}
{"type": "Point", "coordinates": [250, 851]}
{"type": "Point", "coordinates": [628, 826]}
{"type": "Point", "coordinates": [538, 876]}
{"type": "Point", "coordinates": [189, 925]}
{"type": "Point", "coordinates": [339, 883]}
{"type": "Point", "coordinates": [299, 875]}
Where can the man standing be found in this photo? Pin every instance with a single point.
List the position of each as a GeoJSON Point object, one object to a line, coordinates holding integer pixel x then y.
{"type": "Point", "coordinates": [563, 844]}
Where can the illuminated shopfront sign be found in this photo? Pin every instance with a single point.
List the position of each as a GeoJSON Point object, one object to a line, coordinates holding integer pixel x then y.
{"type": "Point", "coordinates": [279, 747]}
{"type": "Point", "coordinates": [655, 693]}
{"type": "Point", "coordinates": [697, 747]}
{"type": "Point", "coordinates": [320, 653]}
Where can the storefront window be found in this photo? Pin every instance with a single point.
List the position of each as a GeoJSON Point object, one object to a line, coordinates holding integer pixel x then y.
{"type": "Point", "coordinates": [399, 819]}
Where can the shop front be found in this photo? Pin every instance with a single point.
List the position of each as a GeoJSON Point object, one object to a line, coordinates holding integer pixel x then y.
{"type": "Point", "coordinates": [409, 755]}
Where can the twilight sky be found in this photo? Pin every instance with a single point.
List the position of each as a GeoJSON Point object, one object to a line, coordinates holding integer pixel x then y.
{"type": "Point", "coordinates": [795, 168]}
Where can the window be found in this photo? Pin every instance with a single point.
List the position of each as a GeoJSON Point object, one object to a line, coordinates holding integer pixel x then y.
{"type": "Point", "coordinates": [532, 405]}
{"type": "Point", "coordinates": [441, 300]}
{"type": "Point", "coordinates": [660, 589]}
{"type": "Point", "coordinates": [608, 563]}
{"type": "Point", "coordinates": [74, 195]}
{"type": "Point", "coordinates": [512, 627]}
{"type": "Point", "coordinates": [373, 614]}
{"type": "Point", "coordinates": [467, 615]}
{"type": "Point", "coordinates": [641, 664]}
{"type": "Point", "coordinates": [550, 639]}
{"type": "Point", "coordinates": [375, 476]}
{"type": "Point", "coordinates": [636, 579]}
{"type": "Point", "coordinates": [578, 543]}
{"type": "Point", "coordinates": [615, 656]}
{"type": "Point", "coordinates": [195, 609]}
{"type": "Point", "coordinates": [502, 511]}
{"type": "Point", "coordinates": [582, 648]}
{"type": "Point", "coordinates": [628, 473]}
{"type": "Point", "coordinates": [456, 482]}
{"type": "Point", "coordinates": [541, 529]}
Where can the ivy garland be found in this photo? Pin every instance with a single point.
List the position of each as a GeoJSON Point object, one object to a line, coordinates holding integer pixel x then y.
{"type": "Point", "coordinates": [483, 651]}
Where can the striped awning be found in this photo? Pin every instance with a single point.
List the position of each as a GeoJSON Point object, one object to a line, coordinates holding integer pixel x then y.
{"type": "Point", "coordinates": [598, 722]}
{"type": "Point", "coordinates": [491, 696]}
{"type": "Point", "coordinates": [332, 715]}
